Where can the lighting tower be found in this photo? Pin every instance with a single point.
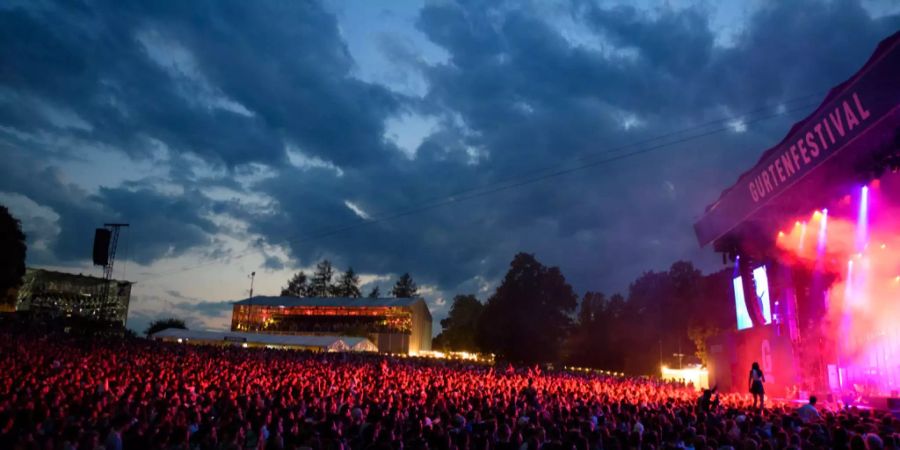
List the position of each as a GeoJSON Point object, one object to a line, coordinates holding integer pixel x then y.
{"type": "Point", "coordinates": [108, 268]}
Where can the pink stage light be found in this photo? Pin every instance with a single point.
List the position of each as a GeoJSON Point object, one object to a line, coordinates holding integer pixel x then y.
{"type": "Point", "coordinates": [823, 224]}
{"type": "Point", "coordinates": [802, 236]}
{"type": "Point", "coordinates": [862, 222]}
{"type": "Point", "coordinates": [862, 311]}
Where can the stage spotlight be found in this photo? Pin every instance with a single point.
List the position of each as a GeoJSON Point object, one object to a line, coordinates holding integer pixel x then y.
{"type": "Point", "coordinates": [729, 256]}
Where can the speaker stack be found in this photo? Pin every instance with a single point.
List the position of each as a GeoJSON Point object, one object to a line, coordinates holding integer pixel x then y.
{"type": "Point", "coordinates": [101, 246]}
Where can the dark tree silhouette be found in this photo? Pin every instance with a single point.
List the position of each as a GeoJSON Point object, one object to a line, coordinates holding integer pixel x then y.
{"type": "Point", "coordinates": [298, 286]}
{"type": "Point", "coordinates": [587, 334]}
{"type": "Point", "coordinates": [164, 324]}
{"type": "Point", "coordinates": [715, 314]}
{"type": "Point", "coordinates": [405, 287]}
{"type": "Point", "coordinates": [320, 284]}
{"type": "Point", "coordinates": [669, 312]}
{"type": "Point", "coordinates": [529, 315]}
{"type": "Point", "coordinates": [12, 253]}
{"type": "Point", "coordinates": [348, 285]}
{"type": "Point", "coordinates": [375, 292]}
{"type": "Point", "coordinates": [459, 328]}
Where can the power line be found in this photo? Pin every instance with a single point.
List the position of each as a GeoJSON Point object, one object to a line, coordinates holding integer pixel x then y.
{"type": "Point", "coordinates": [482, 191]}
{"type": "Point", "coordinates": [524, 180]}
{"type": "Point", "coordinates": [586, 156]}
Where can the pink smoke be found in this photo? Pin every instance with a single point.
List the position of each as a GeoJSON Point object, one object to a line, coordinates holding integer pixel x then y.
{"type": "Point", "coordinates": [861, 248]}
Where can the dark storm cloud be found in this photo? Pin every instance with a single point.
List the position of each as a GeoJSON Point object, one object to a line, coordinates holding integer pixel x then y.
{"type": "Point", "coordinates": [92, 62]}
{"type": "Point", "coordinates": [287, 64]}
{"type": "Point", "coordinates": [228, 82]}
{"type": "Point", "coordinates": [220, 88]}
{"type": "Point", "coordinates": [667, 74]}
{"type": "Point", "coordinates": [78, 212]}
{"type": "Point", "coordinates": [518, 91]}
{"type": "Point", "coordinates": [206, 309]}
{"type": "Point", "coordinates": [195, 313]}
{"type": "Point", "coordinates": [162, 224]}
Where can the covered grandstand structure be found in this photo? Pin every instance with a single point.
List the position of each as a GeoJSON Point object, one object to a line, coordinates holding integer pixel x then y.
{"type": "Point", "coordinates": [60, 295]}
{"type": "Point", "coordinates": [294, 342]}
{"type": "Point", "coordinates": [394, 325]}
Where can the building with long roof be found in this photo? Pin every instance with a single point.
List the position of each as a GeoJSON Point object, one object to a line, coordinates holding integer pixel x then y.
{"type": "Point", "coordinates": [395, 325]}
{"type": "Point", "coordinates": [293, 342]}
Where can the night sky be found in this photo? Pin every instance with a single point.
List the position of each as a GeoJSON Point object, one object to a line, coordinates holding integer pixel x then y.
{"type": "Point", "coordinates": [240, 136]}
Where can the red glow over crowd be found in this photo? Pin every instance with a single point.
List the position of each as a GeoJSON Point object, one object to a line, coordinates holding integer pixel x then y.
{"type": "Point", "coordinates": [60, 392]}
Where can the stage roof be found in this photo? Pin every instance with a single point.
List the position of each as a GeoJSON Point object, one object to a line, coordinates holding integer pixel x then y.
{"type": "Point", "coordinates": [329, 301]}
{"type": "Point", "coordinates": [820, 158]}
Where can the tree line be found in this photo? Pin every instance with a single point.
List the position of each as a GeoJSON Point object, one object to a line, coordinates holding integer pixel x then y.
{"type": "Point", "coordinates": [324, 283]}
{"type": "Point", "coordinates": [535, 316]}
{"type": "Point", "coordinates": [12, 257]}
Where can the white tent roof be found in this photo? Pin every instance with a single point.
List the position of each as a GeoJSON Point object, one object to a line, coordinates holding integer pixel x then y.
{"type": "Point", "coordinates": [360, 344]}
{"type": "Point", "coordinates": [330, 343]}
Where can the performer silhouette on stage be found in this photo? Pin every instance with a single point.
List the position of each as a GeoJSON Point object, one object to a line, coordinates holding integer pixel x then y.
{"type": "Point", "coordinates": [756, 381]}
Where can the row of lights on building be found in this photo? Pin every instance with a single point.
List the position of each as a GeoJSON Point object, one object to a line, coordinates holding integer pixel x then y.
{"type": "Point", "coordinates": [589, 370]}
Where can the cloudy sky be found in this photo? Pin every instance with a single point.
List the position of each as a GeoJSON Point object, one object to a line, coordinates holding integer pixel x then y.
{"type": "Point", "coordinates": [240, 136]}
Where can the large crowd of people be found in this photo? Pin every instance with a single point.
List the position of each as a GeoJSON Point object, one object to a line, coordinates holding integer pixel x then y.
{"type": "Point", "coordinates": [70, 393]}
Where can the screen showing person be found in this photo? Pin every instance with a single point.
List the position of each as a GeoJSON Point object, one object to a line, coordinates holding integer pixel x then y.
{"type": "Point", "coordinates": [743, 316]}
{"type": "Point", "coordinates": [761, 280]}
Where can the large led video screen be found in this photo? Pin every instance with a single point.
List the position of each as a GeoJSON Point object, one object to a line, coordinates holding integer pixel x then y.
{"type": "Point", "coordinates": [761, 280]}
{"type": "Point", "coordinates": [743, 316]}
{"type": "Point", "coordinates": [762, 292]}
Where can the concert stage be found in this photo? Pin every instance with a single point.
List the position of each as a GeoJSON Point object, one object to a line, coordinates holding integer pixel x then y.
{"type": "Point", "coordinates": [813, 233]}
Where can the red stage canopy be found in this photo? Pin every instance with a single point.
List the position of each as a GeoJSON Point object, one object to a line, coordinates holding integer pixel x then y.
{"type": "Point", "coordinates": [821, 155]}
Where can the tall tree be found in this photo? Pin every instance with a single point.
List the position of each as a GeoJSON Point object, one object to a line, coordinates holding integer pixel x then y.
{"type": "Point", "coordinates": [714, 311]}
{"type": "Point", "coordinates": [298, 286]}
{"type": "Point", "coordinates": [667, 305]}
{"type": "Point", "coordinates": [616, 306]}
{"type": "Point", "coordinates": [348, 285]}
{"type": "Point", "coordinates": [614, 327]}
{"type": "Point", "coordinates": [320, 284]}
{"type": "Point", "coordinates": [459, 328]}
{"type": "Point", "coordinates": [587, 343]}
{"type": "Point", "coordinates": [649, 302]}
{"type": "Point", "coordinates": [592, 305]}
{"type": "Point", "coordinates": [530, 314]}
{"type": "Point", "coordinates": [375, 292]}
{"type": "Point", "coordinates": [12, 252]}
{"type": "Point", "coordinates": [405, 287]}
{"type": "Point", "coordinates": [164, 324]}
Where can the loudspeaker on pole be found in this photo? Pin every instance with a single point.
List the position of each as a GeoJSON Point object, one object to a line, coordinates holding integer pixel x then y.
{"type": "Point", "coordinates": [101, 246]}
